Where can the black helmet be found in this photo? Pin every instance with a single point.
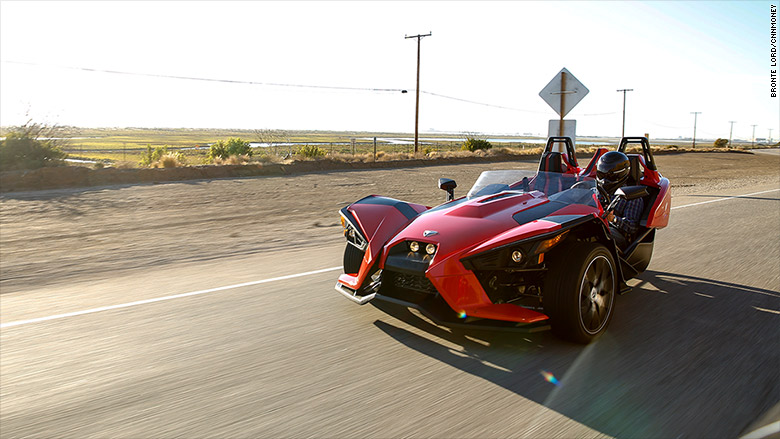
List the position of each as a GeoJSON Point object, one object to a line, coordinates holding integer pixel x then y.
{"type": "Point", "coordinates": [612, 170]}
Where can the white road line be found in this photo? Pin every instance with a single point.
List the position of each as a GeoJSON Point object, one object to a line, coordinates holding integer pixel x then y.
{"type": "Point", "coordinates": [257, 282]}
{"type": "Point", "coordinates": [160, 299]}
{"type": "Point", "coordinates": [773, 311]}
{"type": "Point", "coordinates": [727, 198]}
{"type": "Point", "coordinates": [763, 432]}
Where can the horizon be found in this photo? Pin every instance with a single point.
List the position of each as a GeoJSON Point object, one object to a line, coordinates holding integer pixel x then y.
{"type": "Point", "coordinates": [387, 133]}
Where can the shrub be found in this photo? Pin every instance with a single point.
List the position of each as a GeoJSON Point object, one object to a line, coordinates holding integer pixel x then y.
{"type": "Point", "coordinates": [171, 160]}
{"type": "Point", "coordinates": [233, 146]}
{"type": "Point", "coordinates": [473, 144]}
{"type": "Point", "coordinates": [232, 160]}
{"type": "Point", "coordinates": [721, 143]}
{"type": "Point", "coordinates": [311, 151]}
{"type": "Point", "coordinates": [29, 147]}
{"type": "Point", "coordinates": [152, 156]}
{"type": "Point", "coordinates": [268, 158]}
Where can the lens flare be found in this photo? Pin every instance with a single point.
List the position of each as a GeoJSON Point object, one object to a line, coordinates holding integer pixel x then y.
{"type": "Point", "coordinates": [550, 378]}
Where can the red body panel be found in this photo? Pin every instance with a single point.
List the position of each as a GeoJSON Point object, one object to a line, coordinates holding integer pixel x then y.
{"type": "Point", "coordinates": [659, 213]}
{"type": "Point", "coordinates": [378, 222]}
{"type": "Point", "coordinates": [466, 296]}
{"type": "Point", "coordinates": [473, 227]}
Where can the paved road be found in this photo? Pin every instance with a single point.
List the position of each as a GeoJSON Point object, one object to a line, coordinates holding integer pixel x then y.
{"type": "Point", "coordinates": [692, 351]}
{"type": "Point", "coordinates": [773, 151]}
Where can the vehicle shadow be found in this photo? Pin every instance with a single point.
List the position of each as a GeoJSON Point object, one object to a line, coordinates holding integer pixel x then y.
{"type": "Point", "coordinates": [683, 357]}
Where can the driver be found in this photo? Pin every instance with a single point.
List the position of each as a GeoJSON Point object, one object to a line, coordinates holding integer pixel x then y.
{"type": "Point", "coordinates": [612, 171]}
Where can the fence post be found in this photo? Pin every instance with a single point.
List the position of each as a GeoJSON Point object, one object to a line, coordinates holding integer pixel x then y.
{"type": "Point", "coordinates": [374, 148]}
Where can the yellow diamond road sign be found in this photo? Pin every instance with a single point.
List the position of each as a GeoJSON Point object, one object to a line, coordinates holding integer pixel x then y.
{"type": "Point", "coordinates": [563, 92]}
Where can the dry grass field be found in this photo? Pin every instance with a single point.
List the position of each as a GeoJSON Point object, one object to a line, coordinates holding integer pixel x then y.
{"type": "Point", "coordinates": [124, 147]}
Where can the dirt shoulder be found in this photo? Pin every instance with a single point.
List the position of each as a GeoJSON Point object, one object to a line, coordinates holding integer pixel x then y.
{"type": "Point", "coordinates": [66, 234]}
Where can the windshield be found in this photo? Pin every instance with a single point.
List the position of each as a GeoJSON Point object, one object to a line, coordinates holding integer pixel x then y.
{"type": "Point", "coordinates": [493, 182]}
{"type": "Point", "coordinates": [556, 186]}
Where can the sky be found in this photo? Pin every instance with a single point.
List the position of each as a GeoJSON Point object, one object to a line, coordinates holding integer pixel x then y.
{"type": "Point", "coordinates": [678, 57]}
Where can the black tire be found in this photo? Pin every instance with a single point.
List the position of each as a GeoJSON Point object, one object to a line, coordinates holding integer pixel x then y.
{"type": "Point", "coordinates": [579, 292]}
{"type": "Point", "coordinates": [353, 257]}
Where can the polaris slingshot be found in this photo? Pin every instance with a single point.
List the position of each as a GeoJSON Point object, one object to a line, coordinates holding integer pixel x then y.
{"type": "Point", "coordinates": [524, 250]}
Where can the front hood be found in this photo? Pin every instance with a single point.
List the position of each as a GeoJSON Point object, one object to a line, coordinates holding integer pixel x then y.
{"type": "Point", "coordinates": [463, 224]}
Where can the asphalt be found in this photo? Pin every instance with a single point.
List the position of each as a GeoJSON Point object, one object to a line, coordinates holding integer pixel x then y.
{"type": "Point", "coordinates": [772, 151]}
{"type": "Point", "coordinates": [693, 351]}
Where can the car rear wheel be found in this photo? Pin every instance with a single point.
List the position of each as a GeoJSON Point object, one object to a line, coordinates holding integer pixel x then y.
{"type": "Point", "coordinates": [353, 257]}
{"type": "Point", "coordinates": [580, 292]}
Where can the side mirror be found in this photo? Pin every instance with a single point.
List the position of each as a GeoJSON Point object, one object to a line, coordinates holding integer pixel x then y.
{"type": "Point", "coordinates": [448, 185]}
{"type": "Point", "coordinates": [632, 192]}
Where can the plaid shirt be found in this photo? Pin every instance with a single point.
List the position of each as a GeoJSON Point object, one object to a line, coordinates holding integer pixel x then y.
{"type": "Point", "coordinates": [627, 215]}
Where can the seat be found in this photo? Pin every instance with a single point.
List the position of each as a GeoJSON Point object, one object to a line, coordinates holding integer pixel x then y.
{"type": "Point", "coordinates": [590, 170]}
{"type": "Point", "coordinates": [552, 177]}
{"type": "Point", "coordinates": [635, 176]}
{"type": "Point", "coordinates": [551, 162]}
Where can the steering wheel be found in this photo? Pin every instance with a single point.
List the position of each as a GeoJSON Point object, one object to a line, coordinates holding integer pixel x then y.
{"type": "Point", "coordinates": [580, 185]}
{"type": "Point", "coordinates": [603, 192]}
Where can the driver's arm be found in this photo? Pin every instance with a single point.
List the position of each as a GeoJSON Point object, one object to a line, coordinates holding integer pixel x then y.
{"type": "Point", "coordinates": [627, 215]}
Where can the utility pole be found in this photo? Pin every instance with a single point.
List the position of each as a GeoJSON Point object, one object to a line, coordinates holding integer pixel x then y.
{"type": "Point", "coordinates": [753, 142]}
{"type": "Point", "coordinates": [623, 133]}
{"type": "Point", "coordinates": [695, 117]}
{"type": "Point", "coordinates": [732, 122]}
{"type": "Point", "coordinates": [417, 100]}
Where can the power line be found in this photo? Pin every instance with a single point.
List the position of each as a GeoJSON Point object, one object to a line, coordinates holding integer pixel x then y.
{"type": "Point", "coordinates": [481, 103]}
{"type": "Point", "coordinates": [278, 84]}
{"type": "Point", "coordinates": [228, 81]}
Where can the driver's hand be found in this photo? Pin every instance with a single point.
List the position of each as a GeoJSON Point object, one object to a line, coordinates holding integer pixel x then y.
{"type": "Point", "coordinates": [610, 216]}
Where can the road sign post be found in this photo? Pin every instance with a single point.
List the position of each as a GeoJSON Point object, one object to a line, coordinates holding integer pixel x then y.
{"type": "Point", "coordinates": [569, 130]}
{"type": "Point", "coordinates": [562, 94]}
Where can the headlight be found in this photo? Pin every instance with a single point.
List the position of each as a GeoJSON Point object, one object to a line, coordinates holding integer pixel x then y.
{"type": "Point", "coordinates": [550, 243]}
{"type": "Point", "coordinates": [414, 246]}
{"type": "Point", "coordinates": [517, 256]}
{"type": "Point", "coordinates": [430, 249]}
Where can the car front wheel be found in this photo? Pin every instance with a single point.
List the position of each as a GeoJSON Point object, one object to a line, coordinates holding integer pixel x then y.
{"type": "Point", "coordinates": [580, 291]}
